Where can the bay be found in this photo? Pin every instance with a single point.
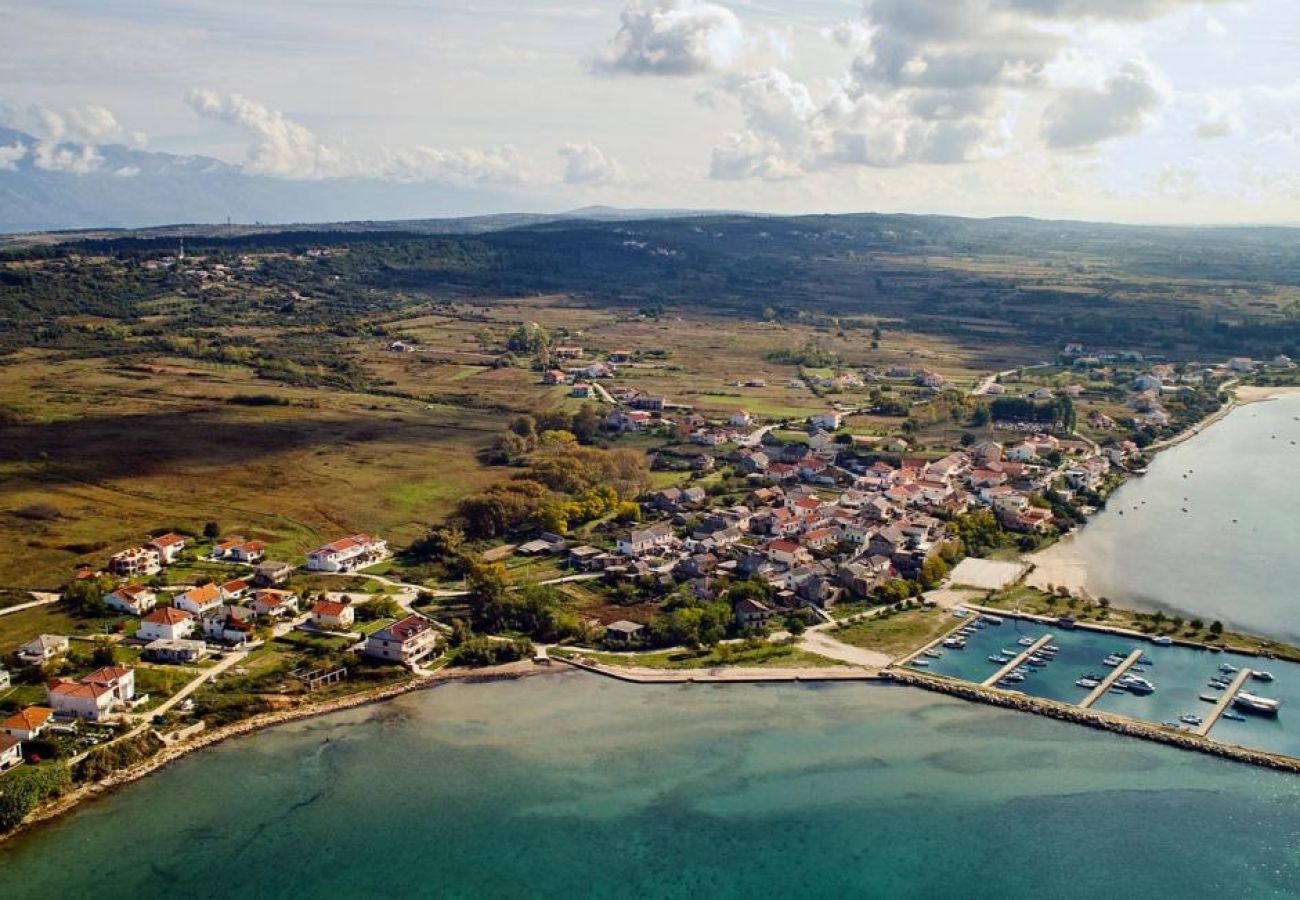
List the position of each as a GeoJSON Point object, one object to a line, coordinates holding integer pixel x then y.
{"type": "Point", "coordinates": [570, 784]}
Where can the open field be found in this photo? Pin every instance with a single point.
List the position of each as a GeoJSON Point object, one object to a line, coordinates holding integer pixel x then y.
{"type": "Point", "coordinates": [768, 656]}
{"type": "Point", "coordinates": [896, 634]}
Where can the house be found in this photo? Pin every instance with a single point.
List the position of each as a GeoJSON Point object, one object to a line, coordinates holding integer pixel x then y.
{"type": "Point", "coordinates": [199, 600]}
{"type": "Point", "coordinates": [135, 599]}
{"type": "Point", "coordinates": [406, 641]}
{"type": "Point", "coordinates": [330, 615]}
{"type": "Point", "coordinates": [623, 632]}
{"type": "Point", "coordinates": [274, 603]}
{"type": "Point", "coordinates": [645, 401]}
{"type": "Point", "coordinates": [1022, 452]}
{"type": "Point", "coordinates": [95, 695]}
{"type": "Point", "coordinates": [1241, 364]}
{"type": "Point", "coordinates": [567, 351]}
{"type": "Point", "coordinates": [621, 355]}
{"type": "Point", "coordinates": [629, 420]}
{"type": "Point", "coordinates": [229, 624]}
{"type": "Point", "coordinates": [27, 723]}
{"type": "Point", "coordinates": [787, 553]}
{"type": "Point", "coordinates": [581, 389]}
{"type": "Point", "coordinates": [272, 573]}
{"type": "Point", "coordinates": [821, 538]}
{"type": "Point", "coordinates": [177, 651]}
{"type": "Point", "coordinates": [1147, 382]}
{"type": "Point", "coordinates": [234, 590]}
{"type": "Point", "coordinates": [645, 540]}
{"type": "Point", "coordinates": [347, 554]}
{"type": "Point", "coordinates": [599, 369]}
{"type": "Point", "coordinates": [42, 649]}
{"type": "Point", "coordinates": [137, 562]}
{"type": "Point", "coordinates": [740, 418]}
{"type": "Point", "coordinates": [554, 376]}
{"type": "Point", "coordinates": [5, 680]}
{"type": "Point", "coordinates": [166, 622]}
{"type": "Point", "coordinates": [829, 420]}
{"type": "Point", "coordinates": [1088, 474]}
{"type": "Point", "coordinates": [751, 613]}
{"type": "Point", "coordinates": [248, 552]}
{"type": "Point", "coordinates": [986, 452]}
{"type": "Point", "coordinates": [168, 546]}
{"type": "Point", "coordinates": [11, 752]}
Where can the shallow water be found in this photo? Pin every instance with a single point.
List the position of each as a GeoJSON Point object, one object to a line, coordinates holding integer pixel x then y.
{"type": "Point", "coordinates": [1232, 555]}
{"type": "Point", "coordinates": [581, 786]}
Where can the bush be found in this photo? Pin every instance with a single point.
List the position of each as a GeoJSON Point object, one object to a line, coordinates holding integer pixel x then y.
{"type": "Point", "coordinates": [118, 755]}
{"type": "Point", "coordinates": [25, 788]}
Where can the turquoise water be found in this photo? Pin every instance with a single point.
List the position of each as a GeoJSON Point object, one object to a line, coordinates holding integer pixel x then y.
{"type": "Point", "coordinates": [1180, 674]}
{"type": "Point", "coordinates": [1233, 554]}
{"type": "Point", "coordinates": [579, 786]}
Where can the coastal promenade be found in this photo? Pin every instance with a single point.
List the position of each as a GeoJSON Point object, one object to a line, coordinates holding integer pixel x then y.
{"type": "Point", "coordinates": [1109, 681]}
{"type": "Point", "coordinates": [1224, 702]}
{"type": "Point", "coordinates": [720, 675]}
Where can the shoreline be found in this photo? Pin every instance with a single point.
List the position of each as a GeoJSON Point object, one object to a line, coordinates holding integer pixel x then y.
{"type": "Point", "coordinates": [1060, 565]}
{"type": "Point", "coordinates": [204, 739]}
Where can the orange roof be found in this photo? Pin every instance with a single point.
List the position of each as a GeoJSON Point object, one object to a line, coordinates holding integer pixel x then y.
{"type": "Point", "coordinates": [28, 719]}
{"type": "Point", "coordinates": [167, 615]}
{"type": "Point", "coordinates": [328, 608]}
{"type": "Point", "coordinates": [106, 675]}
{"type": "Point", "coordinates": [236, 585]}
{"type": "Point", "coordinates": [167, 540]}
{"type": "Point", "coordinates": [203, 593]}
{"type": "Point", "coordinates": [73, 689]}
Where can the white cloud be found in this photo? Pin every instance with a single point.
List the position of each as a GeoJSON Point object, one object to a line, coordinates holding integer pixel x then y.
{"type": "Point", "coordinates": [588, 164]}
{"type": "Point", "coordinates": [1083, 117]}
{"type": "Point", "coordinates": [281, 147]}
{"type": "Point", "coordinates": [674, 37]}
{"type": "Point", "coordinates": [89, 124]}
{"type": "Point", "coordinates": [126, 172]}
{"type": "Point", "coordinates": [499, 165]}
{"type": "Point", "coordinates": [11, 156]}
{"type": "Point", "coordinates": [74, 160]}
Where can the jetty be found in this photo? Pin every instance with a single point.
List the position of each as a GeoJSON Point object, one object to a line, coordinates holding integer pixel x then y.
{"type": "Point", "coordinates": [997, 676]}
{"type": "Point", "coordinates": [1224, 702]}
{"type": "Point", "coordinates": [1109, 681]}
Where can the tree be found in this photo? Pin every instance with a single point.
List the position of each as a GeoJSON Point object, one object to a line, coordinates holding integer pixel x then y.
{"type": "Point", "coordinates": [967, 439]}
{"type": "Point", "coordinates": [211, 531]}
{"type": "Point", "coordinates": [933, 571]}
{"type": "Point", "coordinates": [378, 608]}
{"type": "Point", "coordinates": [1216, 627]}
{"type": "Point", "coordinates": [627, 512]}
{"type": "Point", "coordinates": [795, 624]}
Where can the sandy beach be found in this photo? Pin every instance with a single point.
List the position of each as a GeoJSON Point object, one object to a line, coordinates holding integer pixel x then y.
{"type": "Point", "coordinates": [1060, 565]}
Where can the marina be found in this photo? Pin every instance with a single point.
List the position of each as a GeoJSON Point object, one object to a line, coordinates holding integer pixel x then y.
{"type": "Point", "coordinates": [1228, 697]}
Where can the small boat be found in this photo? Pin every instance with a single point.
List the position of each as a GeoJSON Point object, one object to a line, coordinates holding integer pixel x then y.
{"type": "Point", "coordinates": [1264, 706]}
{"type": "Point", "coordinates": [1145, 660]}
{"type": "Point", "coordinates": [1169, 724]}
{"type": "Point", "coordinates": [1163, 640]}
{"type": "Point", "coordinates": [1227, 667]}
{"type": "Point", "coordinates": [1262, 676]}
{"type": "Point", "coordinates": [1000, 660]}
{"type": "Point", "coordinates": [955, 643]}
{"type": "Point", "coordinates": [1037, 663]}
{"type": "Point", "coordinates": [1209, 698]}
{"type": "Point", "coordinates": [993, 620]}
{"type": "Point", "coordinates": [1138, 669]}
{"type": "Point", "coordinates": [1113, 660]}
{"type": "Point", "coordinates": [934, 654]}
{"type": "Point", "coordinates": [1136, 685]}
{"type": "Point", "coordinates": [1087, 683]}
{"type": "Point", "coordinates": [959, 613]}
{"type": "Point", "coordinates": [1026, 641]}
{"type": "Point", "coordinates": [1236, 717]}
{"type": "Point", "coordinates": [1217, 685]}
{"type": "Point", "coordinates": [1190, 719]}
{"type": "Point", "coordinates": [1010, 653]}
{"type": "Point", "coordinates": [1050, 648]}
{"type": "Point", "coordinates": [919, 663]}
{"type": "Point", "coordinates": [979, 623]}
{"type": "Point", "coordinates": [1116, 690]}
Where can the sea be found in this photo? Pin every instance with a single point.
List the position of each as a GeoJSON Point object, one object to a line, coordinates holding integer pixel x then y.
{"type": "Point", "coordinates": [568, 784]}
{"type": "Point", "coordinates": [573, 785]}
{"type": "Point", "coordinates": [1213, 530]}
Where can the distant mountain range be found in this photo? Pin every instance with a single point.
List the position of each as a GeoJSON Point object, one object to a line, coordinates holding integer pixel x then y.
{"type": "Point", "coordinates": [132, 188]}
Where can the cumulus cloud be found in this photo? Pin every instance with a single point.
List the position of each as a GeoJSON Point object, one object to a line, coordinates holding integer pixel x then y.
{"type": "Point", "coordinates": [67, 139]}
{"type": "Point", "coordinates": [11, 156]}
{"type": "Point", "coordinates": [588, 164]}
{"type": "Point", "coordinates": [283, 148]}
{"type": "Point", "coordinates": [1133, 10]}
{"type": "Point", "coordinates": [673, 37]}
{"type": "Point", "coordinates": [72, 159]}
{"type": "Point", "coordinates": [1083, 117]}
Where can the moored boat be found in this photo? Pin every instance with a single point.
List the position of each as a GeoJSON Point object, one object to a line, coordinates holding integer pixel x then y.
{"type": "Point", "coordinates": [1254, 703]}
{"type": "Point", "coordinates": [992, 620]}
{"type": "Point", "coordinates": [1163, 640]}
{"type": "Point", "coordinates": [1262, 676]}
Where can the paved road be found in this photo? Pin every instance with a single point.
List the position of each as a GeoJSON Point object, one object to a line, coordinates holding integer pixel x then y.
{"type": "Point", "coordinates": [42, 599]}
{"type": "Point", "coordinates": [983, 387]}
{"type": "Point", "coordinates": [823, 644]}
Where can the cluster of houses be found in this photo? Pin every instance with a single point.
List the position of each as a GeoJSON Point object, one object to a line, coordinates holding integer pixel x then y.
{"type": "Point", "coordinates": [818, 530]}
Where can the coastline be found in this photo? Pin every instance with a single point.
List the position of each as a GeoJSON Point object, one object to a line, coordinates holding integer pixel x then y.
{"type": "Point", "coordinates": [171, 753]}
{"type": "Point", "coordinates": [1061, 565]}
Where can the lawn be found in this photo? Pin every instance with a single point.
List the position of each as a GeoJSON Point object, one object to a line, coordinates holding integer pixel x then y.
{"type": "Point", "coordinates": [55, 618]}
{"type": "Point", "coordinates": [897, 633]}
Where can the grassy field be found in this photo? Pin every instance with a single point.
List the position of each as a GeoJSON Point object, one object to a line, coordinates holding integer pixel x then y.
{"type": "Point", "coordinates": [897, 634]}
{"type": "Point", "coordinates": [56, 618]}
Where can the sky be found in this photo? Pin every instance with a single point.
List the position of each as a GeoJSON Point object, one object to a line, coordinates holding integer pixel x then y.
{"type": "Point", "coordinates": [1123, 110]}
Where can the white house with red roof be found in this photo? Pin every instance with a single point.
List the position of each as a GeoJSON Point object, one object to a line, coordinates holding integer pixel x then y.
{"type": "Point", "coordinates": [248, 552]}
{"type": "Point", "coordinates": [408, 640]}
{"type": "Point", "coordinates": [135, 599]}
{"type": "Point", "coordinates": [166, 623]}
{"type": "Point", "coordinates": [332, 615]}
{"type": "Point", "coordinates": [136, 562]}
{"type": "Point", "coordinates": [198, 600]}
{"type": "Point", "coordinates": [27, 723]}
{"type": "Point", "coordinates": [95, 696]}
{"type": "Point", "coordinates": [347, 554]}
{"type": "Point", "coordinates": [274, 603]}
{"type": "Point", "coordinates": [168, 546]}
{"type": "Point", "coordinates": [11, 752]}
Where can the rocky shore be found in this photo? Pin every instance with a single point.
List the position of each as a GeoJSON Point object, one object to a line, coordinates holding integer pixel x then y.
{"type": "Point", "coordinates": [173, 752]}
{"type": "Point", "coordinates": [1067, 713]}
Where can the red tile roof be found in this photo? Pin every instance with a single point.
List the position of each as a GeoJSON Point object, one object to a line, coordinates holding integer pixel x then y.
{"type": "Point", "coordinates": [167, 615]}
{"type": "Point", "coordinates": [28, 719]}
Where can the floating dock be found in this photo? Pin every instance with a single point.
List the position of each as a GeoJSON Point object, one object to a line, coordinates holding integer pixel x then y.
{"type": "Point", "coordinates": [1224, 702]}
{"type": "Point", "coordinates": [1109, 681]}
{"type": "Point", "coordinates": [997, 676]}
